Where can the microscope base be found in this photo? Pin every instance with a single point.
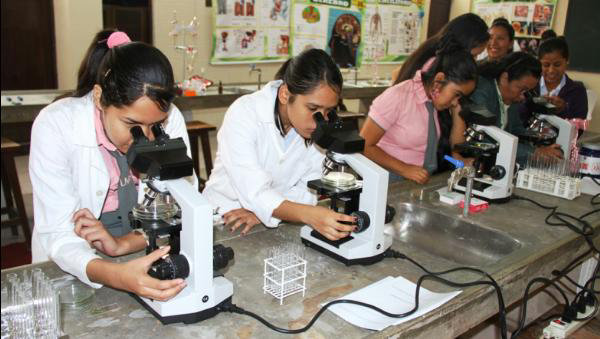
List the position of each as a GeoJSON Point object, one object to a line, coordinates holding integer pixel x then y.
{"type": "Point", "coordinates": [484, 191]}
{"type": "Point", "coordinates": [356, 261]}
{"type": "Point", "coordinates": [189, 318]}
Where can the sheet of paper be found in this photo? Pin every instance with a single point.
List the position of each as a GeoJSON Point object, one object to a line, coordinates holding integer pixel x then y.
{"type": "Point", "coordinates": [394, 295]}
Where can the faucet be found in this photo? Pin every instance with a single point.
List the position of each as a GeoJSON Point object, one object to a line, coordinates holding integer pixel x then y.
{"type": "Point", "coordinates": [354, 69]}
{"type": "Point", "coordinates": [460, 172]}
{"type": "Point", "coordinates": [253, 68]}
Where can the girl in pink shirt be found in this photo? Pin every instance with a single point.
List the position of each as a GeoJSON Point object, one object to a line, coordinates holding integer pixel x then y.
{"type": "Point", "coordinates": [402, 130]}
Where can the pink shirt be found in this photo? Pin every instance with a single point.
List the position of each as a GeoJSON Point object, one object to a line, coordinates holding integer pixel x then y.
{"type": "Point", "coordinates": [112, 198]}
{"type": "Point", "coordinates": [401, 112]}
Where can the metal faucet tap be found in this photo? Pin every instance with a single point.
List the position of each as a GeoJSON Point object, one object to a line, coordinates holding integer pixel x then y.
{"type": "Point", "coordinates": [253, 68]}
{"type": "Point", "coordinates": [459, 173]}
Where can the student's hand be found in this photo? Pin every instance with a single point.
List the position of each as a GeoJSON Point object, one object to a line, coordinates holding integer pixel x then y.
{"type": "Point", "coordinates": [553, 152]}
{"type": "Point", "coordinates": [415, 173]}
{"type": "Point", "coordinates": [240, 217]}
{"type": "Point", "coordinates": [94, 232]}
{"type": "Point", "coordinates": [134, 278]}
{"type": "Point", "coordinates": [558, 102]}
{"type": "Point", "coordinates": [327, 222]}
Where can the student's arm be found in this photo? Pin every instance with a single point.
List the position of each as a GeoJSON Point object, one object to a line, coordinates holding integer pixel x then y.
{"type": "Point", "coordinates": [94, 232]}
{"type": "Point", "coordinates": [322, 219]}
{"type": "Point", "coordinates": [372, 133]}
{"type": "Point", "coordinates": [132, 276]}
{"type": "Point", "coordinates": [56, 199]}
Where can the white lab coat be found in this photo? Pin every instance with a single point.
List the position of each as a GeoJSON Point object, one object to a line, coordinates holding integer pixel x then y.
{"type": "Point", "coordinates": [252, 169]}
{"type": "Point", "coordinates": [68, 173]}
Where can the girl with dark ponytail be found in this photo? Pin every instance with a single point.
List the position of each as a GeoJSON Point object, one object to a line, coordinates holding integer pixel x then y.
{"type": "Point", "coordinates": [469, 30]}
{"type": "Point", "coordinates": [265, 157]}
{"type": "Point", "coordinates": [402, 130]}
{"type": "Point", "coordinates": [83, 189]}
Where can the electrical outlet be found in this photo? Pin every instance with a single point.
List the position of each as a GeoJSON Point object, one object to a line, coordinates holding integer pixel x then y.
{"type": "Point", "coordinates": [558, 329]}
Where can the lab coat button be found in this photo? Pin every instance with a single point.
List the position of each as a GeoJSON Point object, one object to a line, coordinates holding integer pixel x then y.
{"type": "Point", "coordinates": [99, 193]}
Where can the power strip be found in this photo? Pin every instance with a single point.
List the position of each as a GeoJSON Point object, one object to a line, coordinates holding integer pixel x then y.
{"type": "Point", "coordinates": [559, 329]}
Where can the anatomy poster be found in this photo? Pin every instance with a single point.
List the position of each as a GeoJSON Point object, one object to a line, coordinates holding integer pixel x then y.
{"type": "Point", "coordinates": [529, 18]}
{"type": "Point", "coordinates": [351, 31]}
{"type": "Point", "coordinates": [392, 29]}
{"type": "Point", "coordinates": [332, 25]}
{"type": "Point", "coordinates": [251, 31]}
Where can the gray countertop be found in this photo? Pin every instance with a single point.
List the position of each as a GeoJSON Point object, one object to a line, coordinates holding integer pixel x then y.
{"type": "Point", "coordinates": [542, 249]}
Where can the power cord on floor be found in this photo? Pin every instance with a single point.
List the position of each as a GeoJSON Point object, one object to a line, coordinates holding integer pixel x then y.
{"type": "Point", "coordinates": [230, 307]}
{"type": "Point", "coordinates": [586, 295]}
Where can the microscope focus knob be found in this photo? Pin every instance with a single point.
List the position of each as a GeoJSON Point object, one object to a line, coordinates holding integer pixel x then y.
{"type": "Point", "coordinates": [172, 267]}
{"type": "Point", "coordinates": [497, 172]}
{"type": "Point", "coordinates": [362, 221]}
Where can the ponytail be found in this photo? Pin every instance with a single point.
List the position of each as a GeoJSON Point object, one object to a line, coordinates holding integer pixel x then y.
{"type": "Point", "coordinates": [453, 60]}
{"type": "Point", "coordinates": [88, 70]}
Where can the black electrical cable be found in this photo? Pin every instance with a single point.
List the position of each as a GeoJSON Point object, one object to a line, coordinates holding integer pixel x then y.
{"type": "Point", "coordinates": [235, 309]}
{"type": "Point", "coordinates": [559, 274]}
{"type": "Point", "coordinates": [523, 312]}
{"type": "Point", "coordinates": [586, 229]}
{"type": "Point", "coordinates": [229, 307]}
{"type": "Point", "coordinates": [501, 306]}
{"type": "Point", "coordinates": [589, 213]}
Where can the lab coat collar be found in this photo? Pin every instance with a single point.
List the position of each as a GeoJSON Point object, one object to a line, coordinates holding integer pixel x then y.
{"type": "Point", "coordinates": [85, 135]}
{"type": "Point", "coordinates": [267, 96]}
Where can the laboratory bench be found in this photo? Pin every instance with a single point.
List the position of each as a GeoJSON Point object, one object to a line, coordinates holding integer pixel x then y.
{"type": "Point", "coordinates": [536, 250]}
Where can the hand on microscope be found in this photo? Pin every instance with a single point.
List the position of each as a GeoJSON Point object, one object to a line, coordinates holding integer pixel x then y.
{"type": "Point", "coordinates": [552, 151]}
{"type": "Point", "coordinates": [328, 222]}
{"type": "Point", "coordinates": [94, 232]}
{"type": "Point", "coordinates": [132, 276]}
{"type": "Point", "coordinates": [240, 217]}
{"type": "Point", "coordinates": [556, 101]}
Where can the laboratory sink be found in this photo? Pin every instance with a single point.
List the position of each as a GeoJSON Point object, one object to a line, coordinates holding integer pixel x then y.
{"type": "Point", "coordinates": [450, 238]}
{"type": "Point", "coordinates": [367, 83]}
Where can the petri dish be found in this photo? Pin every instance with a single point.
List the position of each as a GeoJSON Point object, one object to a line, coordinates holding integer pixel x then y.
{"type": "Point", "coordinates": [75, 295]}
{"type": "Point", "coordinates": [339, 179]}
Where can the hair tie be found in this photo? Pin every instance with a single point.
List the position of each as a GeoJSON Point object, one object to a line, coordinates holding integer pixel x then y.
{"type": "Point", "coordinates": [117, 39]}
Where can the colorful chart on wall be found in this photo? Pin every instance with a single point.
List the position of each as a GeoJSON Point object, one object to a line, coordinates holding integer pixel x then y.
{"type": "Point", "coordinates": [529, 18]}
{"type": "Point", "coordinates": [247, 31]}
{"type": "Point", "coordinates": [392, 29]}
{"type": "Point", "coordinates": [351, 31]}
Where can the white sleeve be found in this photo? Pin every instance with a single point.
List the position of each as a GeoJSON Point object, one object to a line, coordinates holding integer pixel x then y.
{"type": "Point", "coordinates": [55, 199]}
{"type": "Point", "coordinates": [176, 128]}
{"type": "Point", "coordinates": [300, 193]}
{"type": "Point", "coordinates": [237, 149]}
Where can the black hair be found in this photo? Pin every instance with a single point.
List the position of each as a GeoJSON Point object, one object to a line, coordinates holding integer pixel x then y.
{"type": "Point", "coordinates": [516, 65]}
{"type": "Point", "coordinates": [503, 23]}
{"type": "Point", "coordinates": [88, 69]}
{"type": "Point", "coordinates": [554, 45]}
{"type": "Point", "coordinates": [132, 70]}
{"type": "Point", "coordinates": [306, 71]}
{"type": "Point", "coordinates": [548, 34]}
{"type": "Point", "coordinates": [455, 62]}
{"type": "Point", "coordinates": [469, 30]}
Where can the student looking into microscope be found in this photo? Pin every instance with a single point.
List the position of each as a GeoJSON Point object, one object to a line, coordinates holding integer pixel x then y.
{"type": "Point", "coordinates": [401, 132]}
{"type": "Point", "coordinates": [83, 188]}
{"type": "Point", "coordinates": [265, 156]}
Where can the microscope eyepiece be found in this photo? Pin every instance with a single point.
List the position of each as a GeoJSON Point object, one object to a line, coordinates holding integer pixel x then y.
{"type": "Point", "coordinates": [138, 134]}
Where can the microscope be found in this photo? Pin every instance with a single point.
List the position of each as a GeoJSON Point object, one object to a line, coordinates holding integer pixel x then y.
{"type": "Point", "coordinates": [495, 153]}
{"type": "Point", "coordinates": [544, 129]}
{"type": "Point", "coordinates": [172, 212]}
{"type": "Point", "coordinates": [364, 199]}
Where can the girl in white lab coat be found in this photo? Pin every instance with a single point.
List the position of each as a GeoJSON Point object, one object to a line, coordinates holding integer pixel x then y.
{"type": "Point", "coordinates": [82, 185]}
{"type": "Point", "coordinates": [265, 156]}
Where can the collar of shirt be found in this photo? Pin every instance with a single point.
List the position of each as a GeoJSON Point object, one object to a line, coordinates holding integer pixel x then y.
{"type": "Point", "coordinates": [100, 134]}
{"type": "Point", "coordinates": [554, 92]}
{"type": "Point", "coordinates": [419, 88]}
